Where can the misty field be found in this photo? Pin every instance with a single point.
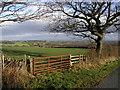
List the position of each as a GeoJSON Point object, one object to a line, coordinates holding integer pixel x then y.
{"type": "Point", "coordinates": [19, 52]}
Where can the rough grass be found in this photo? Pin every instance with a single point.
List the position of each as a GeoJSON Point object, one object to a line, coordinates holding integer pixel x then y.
{"type": "Point", "coordinates": [14, 78]}
{"type": "Point", "coordinates": [72, 78]}
{"type": "Point", "coordinates": [40, 52]}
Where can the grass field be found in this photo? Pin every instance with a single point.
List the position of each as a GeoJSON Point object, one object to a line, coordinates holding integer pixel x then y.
{"type": "Point", "coordinates": [19, 52]}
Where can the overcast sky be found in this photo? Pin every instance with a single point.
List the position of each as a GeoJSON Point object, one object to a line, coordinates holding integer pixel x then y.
{"type": "Point", "coordinates": [36, 30]}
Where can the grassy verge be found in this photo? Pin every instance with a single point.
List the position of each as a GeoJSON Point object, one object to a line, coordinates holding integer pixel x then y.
{"type": "Point", "coordinates": [73, 78]}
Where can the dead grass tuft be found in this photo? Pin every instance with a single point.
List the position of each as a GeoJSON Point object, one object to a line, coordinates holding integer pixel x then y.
{"type": "Point", "coordinates": [14, 77]}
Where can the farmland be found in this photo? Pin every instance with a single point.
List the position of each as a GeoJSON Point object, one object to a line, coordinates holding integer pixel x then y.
{"type": "Point", "coordinates": [85, 74]}
{"type": "Point", "coordinates": [17, 49]}
{"type": "Point", "coordinates": [19, 52]}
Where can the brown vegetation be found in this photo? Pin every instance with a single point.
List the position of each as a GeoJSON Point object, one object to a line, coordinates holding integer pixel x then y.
{"type": "Point", "coordinates": [14, 75]}
{"type": "Point", "coordinates": [109, 53]}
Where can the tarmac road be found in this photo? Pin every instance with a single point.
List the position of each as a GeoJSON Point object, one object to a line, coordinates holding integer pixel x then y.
{"type": "Point", "coordinates": [112, 81]}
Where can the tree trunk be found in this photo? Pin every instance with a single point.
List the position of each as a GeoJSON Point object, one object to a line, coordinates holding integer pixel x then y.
{"type": "Point", "coordinates": [99, 46]}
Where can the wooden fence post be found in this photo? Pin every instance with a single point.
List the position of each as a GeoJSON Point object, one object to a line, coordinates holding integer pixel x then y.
{"type": "Point", "coordinates": [28, 64]}
{"type": "Point", "coordinates": [33, 60]}
{"type": "Point", "coordinates": [29, 57]}
{"type": "Point", "coordinates": [70, 60]}
{"type": "Point", "coordinates": [31, 66]}
{"type": "Point", "coordinates": [84, 59]}
{"type": "Point", "coordinates": [79, 57]}
{"type": "Point", "coordinates": [48, 64]}
{"type": "Point", "coordinates": [25, 59]}
{"type": "Point", "coordinates": [61, 62]}
{"type": "Point", "coordinates": [3, 62]}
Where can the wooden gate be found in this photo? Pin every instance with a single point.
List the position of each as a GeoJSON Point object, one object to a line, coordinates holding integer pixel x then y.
{"type": "Point", "coordinates": [77, 58]}
{"type": "Point", "coordinates": [50, 64]}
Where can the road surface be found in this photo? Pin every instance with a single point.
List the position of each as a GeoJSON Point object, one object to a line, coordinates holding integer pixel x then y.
{"type": "Point", "coordinates": [111, 81]}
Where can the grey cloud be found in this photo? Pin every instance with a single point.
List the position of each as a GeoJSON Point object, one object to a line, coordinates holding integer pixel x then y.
{"type": "Point", "coordinates": [34, 30]}
{"type": "Point", "coordinates": [23, 28]}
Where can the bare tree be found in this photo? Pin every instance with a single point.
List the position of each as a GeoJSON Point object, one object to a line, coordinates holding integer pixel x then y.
{"type": "Point", "coordinates": [17, 10]}
{"type": "Point", "coordinates": [90, 19]}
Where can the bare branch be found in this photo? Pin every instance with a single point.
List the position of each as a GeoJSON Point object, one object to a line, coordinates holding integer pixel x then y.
{"type": "Point", "coordinates": [86, 36]}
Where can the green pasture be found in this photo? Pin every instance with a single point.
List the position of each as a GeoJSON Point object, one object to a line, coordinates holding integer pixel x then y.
{"type": "Point", "coordinates": [19, 52]}
{"type": "Point", "coordinates": [13, 45]}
